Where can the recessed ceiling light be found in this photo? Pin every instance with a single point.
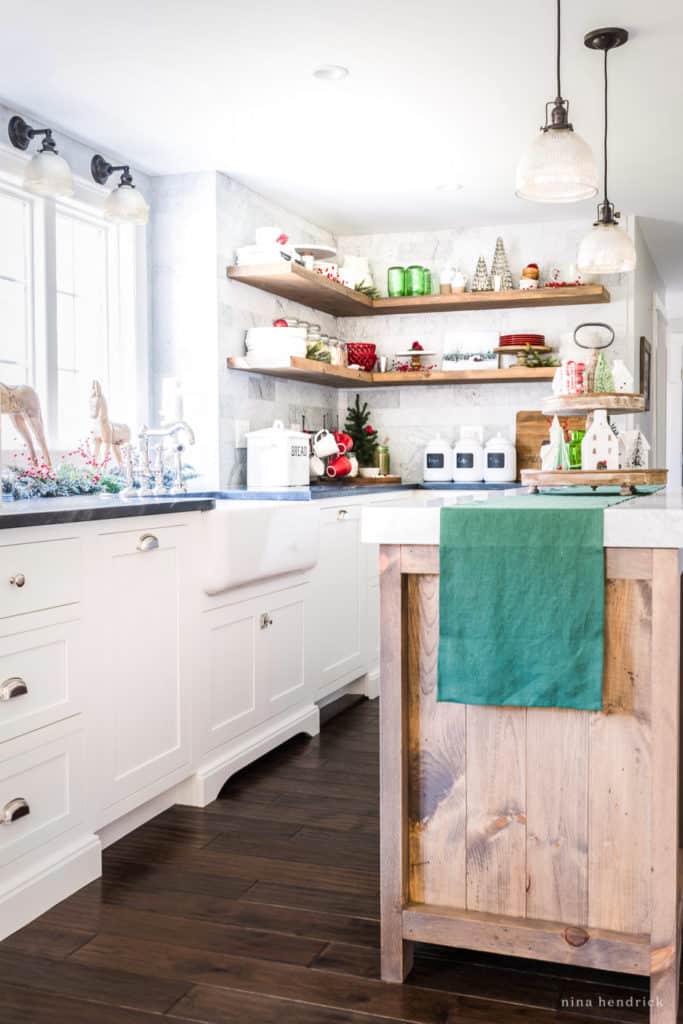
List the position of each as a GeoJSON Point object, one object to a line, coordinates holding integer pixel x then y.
{"type": "Point", "coordinates": [450, 186]}
{"type": "Point", "coordinates": [331, 72]}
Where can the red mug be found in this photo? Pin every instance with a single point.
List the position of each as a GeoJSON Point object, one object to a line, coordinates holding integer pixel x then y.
{"type": "Point", "coordinates": [344, 441]}
{"type": "Point", "coordinates": [341, 466]}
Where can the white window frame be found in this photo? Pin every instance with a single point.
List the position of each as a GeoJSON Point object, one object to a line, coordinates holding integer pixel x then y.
{"type": "Point", "coordinates": [86, 203]}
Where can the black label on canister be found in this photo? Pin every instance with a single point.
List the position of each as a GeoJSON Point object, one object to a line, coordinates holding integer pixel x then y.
{"type": "Point", "coordinates": [495, 460]}
{"type": "Point", "coordinates": [464, 460]}
{"type": "Point", "coordinates": [435, 460]}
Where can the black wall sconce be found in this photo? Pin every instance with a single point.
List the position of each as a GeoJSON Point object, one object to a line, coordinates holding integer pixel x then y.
{"type": "Point", "coordinates": [47, 173]}
{"type": "Point", "coordinates": [125, 204]}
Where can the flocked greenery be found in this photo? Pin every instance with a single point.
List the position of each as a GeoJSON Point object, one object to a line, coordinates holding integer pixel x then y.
{"type": "Point", "coordinates": [77, 473]}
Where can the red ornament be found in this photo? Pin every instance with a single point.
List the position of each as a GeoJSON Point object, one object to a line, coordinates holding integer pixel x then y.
{"type": "Point", "coordinates": [369, 429]}
{"type": "Point", "coordinates": [416, 347]}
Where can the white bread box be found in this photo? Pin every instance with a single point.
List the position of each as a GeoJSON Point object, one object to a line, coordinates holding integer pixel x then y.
{"type": "Point", "coordinates": [277, 457]}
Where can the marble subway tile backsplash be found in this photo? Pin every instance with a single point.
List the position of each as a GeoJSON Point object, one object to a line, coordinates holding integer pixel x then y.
{"type": "Point", "coordinates": [409, 417]}
{"type": "Point", "coordinates": [201, 318]}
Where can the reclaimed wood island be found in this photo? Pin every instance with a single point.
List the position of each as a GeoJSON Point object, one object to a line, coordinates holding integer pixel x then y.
{"type": "Point", "coordinates": [544, 833]}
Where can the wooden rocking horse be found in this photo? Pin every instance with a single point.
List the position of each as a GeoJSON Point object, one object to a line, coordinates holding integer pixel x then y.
{"type": "Point", "coordinates": [21, 403]}
{"type": "Point", "coordinates": [104, 432]}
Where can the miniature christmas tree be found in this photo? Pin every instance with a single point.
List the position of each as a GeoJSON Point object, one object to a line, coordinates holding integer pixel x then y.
{"type": "Point", "coordinates": [500, 266]}
{"type": "Point", "coordinates": [364, 435]}
{"type": "Point", "coordinates": [603, 382]}
{"type": "Point", "coordinates": [481, 282]}
{"type": "Point", "coordinates": [638, 453]}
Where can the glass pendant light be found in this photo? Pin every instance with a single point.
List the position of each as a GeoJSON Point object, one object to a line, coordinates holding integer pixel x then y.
{"type": "Point", "coordinates": [47, 173]}
{"type": "Point", "coordinates": [124, 204]}
{"type": "Point", "coordinates": [607, 248]}
{"type": "Point", "coordinates": [558, 166]}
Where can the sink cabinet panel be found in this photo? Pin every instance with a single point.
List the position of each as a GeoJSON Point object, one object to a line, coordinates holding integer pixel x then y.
{"type": "Point", "coordinates": [254, 654]}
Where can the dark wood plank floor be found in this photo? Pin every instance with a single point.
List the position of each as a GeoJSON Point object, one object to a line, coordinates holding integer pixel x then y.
{"type": "Point", "coordinates": [263, 909]}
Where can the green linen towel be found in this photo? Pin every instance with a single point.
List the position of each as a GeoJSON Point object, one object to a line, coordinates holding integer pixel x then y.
{"type": "Point", "coordinates": [522, 603]}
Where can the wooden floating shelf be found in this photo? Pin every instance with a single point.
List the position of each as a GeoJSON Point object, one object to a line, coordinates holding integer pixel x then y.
{"type": "Point", "coordinates": [626, 479]}
{"type": "Point", "coordinates": [292, 281]}
{"type": "Point", "coordinates": [310, 371]}
{"type": "Point", "coordinates": [611, 402]}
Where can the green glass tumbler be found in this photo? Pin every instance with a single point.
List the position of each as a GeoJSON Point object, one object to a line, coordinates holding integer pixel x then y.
{"type": "Point", "coordinates": [575, 449]}
{"type": "Point", "coordinates": [415, 280]}
{"type": "Point", "coordinates": [428, 281]}
{"type": "Point", "coordinates": [396, 282]}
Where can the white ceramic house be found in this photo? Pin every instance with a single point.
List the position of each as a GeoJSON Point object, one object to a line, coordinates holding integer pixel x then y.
{"type": "Point", "coordinates": [600, 446]}
{"type": "Point", "coordinates": [623, 378]}
{"type": "Point", "coordinates": [636, 450]}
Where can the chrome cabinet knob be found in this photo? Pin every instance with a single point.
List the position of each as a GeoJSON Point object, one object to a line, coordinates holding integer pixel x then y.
{"type": "Point", "coordinates": [342, 513]}
{"type": "Point", "coordinates": [13, 810]}
{"type": "Point", "coordinates": [147, 542]}
{"type": "Point", "coordinates": [18, 580]}
{"type": "Point", "coordinates": [12, 687]}
{"type": "Point", "coordinates": [266, 621]}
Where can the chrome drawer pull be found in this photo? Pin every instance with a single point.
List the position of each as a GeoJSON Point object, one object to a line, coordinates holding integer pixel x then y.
{"type": "Point", "coordinates": [266, 621]}
{"type": "Point", "coordinates": [18, 580]}
{"type": "Point", "coordinates": [13, 687]}
{"type": "Point", "coordinates": [342, 513]}
{"type": "Point", "coordinates": [148, 542]}
{"type": "Point", "coordinates": [15, 809]}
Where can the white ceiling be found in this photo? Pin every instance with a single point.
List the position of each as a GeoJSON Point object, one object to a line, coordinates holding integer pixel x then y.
{"type": "Point", "coordinates": [442, 91]}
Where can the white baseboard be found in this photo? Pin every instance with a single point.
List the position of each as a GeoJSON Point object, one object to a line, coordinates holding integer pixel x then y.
{"type": "Point", "coordinates": [31, 894]}
{"type": "Point", "coordinates": [205, 785]}
{"type": "Point", "coordinates": [367, 685]}
{"type": "Point", "coordinates": [127, 822]}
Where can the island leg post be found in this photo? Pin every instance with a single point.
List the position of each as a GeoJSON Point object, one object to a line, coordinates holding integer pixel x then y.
{"type": "Point", "coordinates": [396, 953]}
{"type": "Point", "coordinates": [665, 894]}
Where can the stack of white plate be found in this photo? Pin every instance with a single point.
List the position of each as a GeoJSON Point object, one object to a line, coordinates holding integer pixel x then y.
{"type": "Point", "coordinates": [252, 255]}
{"type": "Point", "coordinates": [273, 346]}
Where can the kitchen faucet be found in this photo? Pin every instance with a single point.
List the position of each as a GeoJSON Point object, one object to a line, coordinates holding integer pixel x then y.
{"type": "Point", "coordinates": [172, 430]}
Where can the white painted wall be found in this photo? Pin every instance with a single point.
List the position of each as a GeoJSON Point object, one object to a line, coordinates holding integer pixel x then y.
{"type": "Point", "coordinates": [200, 317]}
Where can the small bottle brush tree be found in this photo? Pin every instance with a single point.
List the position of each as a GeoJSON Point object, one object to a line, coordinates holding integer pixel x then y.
{"type": "Point", "coordinates": [364, 435]}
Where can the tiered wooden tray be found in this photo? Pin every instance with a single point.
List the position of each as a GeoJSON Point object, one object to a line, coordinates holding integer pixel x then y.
{"type": "Point", "coordinates": [614, 403]}
{"type": "Point", "coordinates": [627, 480]}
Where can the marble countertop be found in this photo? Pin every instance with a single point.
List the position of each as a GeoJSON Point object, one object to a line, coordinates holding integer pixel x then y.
{"type": "Point", "coordinates": [52, 511]}
{"type": "Point", "coordinates": [318, 492]}
{"type": "Point", "coordinates": [650, 521]}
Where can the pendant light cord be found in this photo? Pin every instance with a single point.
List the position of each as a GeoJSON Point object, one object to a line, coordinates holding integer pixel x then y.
{"type": "Point", "coordinates": [605, 137]}
{"type": "Point", "coordinates": [559, 41]}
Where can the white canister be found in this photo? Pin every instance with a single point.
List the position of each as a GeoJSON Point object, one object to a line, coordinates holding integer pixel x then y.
{"type": "Point", "coordinates": [500, 461]}
{"type": "Point", "coordinates": [468, 456]}
{"type": "Point", "coordinates": [277, 457]}
{"type": "Point", "coordinates": [436, 463]}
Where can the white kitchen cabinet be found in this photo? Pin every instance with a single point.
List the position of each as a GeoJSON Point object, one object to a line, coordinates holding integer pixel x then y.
{"type": "Point", "coordinates": [41, 678]}
{"type": "Point", "coordinates": [338, 602]}
{"type": "Point", "coordinates": [42, 789]}
{"type": "Point", "coordinates": [255, 662]}
{"type": "Point", "coordinates": [139, 588]}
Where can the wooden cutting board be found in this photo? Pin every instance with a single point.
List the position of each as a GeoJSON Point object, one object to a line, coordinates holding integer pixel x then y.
{"type": "Point", "coordinates": [532, 429]}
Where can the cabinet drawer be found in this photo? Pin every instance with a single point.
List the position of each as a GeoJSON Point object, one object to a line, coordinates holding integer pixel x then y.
{"type": "Point", "coordinates": [40, 679]}
{"type": "Point", "coordinates": [41, 788]}
{"type": "Point", "coordinates": [38, 575]}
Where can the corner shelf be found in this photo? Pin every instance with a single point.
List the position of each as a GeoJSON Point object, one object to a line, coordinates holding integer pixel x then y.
{"type": "Point", "coordinates": [292, 281]}
{"type": "Point", "coordinates": [611, 402]}
{"type": "Point", "coordinates": [310, 371]}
